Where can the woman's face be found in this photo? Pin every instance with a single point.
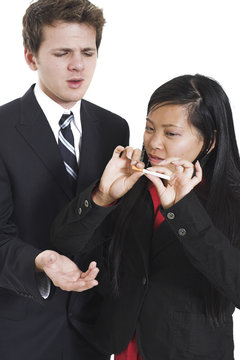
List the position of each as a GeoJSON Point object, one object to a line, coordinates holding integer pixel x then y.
{"type": "Point", "coordinates": [168, 133]}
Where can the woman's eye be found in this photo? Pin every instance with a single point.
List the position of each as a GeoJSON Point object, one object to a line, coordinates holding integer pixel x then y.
{"type": "Point", "coordinates": [148, 128]}
{"type": "Point", "coordinates": [169, 133]}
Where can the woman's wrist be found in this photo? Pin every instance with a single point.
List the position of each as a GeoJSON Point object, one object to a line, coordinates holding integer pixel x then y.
{"type": "Point", "coordinates": [101, 199]}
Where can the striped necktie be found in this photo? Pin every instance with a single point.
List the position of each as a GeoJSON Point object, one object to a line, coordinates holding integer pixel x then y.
{"type": "Point", "coordinates": [66, 146]}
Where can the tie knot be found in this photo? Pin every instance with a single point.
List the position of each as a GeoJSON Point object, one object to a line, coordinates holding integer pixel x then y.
{"type": "Point", "coordinates": [65, 120]}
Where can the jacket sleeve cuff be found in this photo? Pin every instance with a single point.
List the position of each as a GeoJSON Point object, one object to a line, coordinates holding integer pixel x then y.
{"type": "Point", "coordinates": [187, 218]}
{"type": "Point", "coordinates": [76, 224]}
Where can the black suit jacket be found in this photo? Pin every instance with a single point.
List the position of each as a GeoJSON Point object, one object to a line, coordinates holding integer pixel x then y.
{"type": "Point", "coordinates": [33, 189]}
{"type": "Point", "coordinates": [163, 279]}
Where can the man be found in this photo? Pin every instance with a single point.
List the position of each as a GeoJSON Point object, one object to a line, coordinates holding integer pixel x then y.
{"type": "Point", "coordinates": [61, 40]}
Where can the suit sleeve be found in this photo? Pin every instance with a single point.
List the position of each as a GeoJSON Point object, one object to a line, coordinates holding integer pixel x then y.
{"type": "Point", "coordinates": [77, 228]}
{"type": "Point", "coordinates": [17, 267]}
{"type": "Point", "coordinates": [206, 247]}
{"type": "Point", "coordinates": [125, 141]}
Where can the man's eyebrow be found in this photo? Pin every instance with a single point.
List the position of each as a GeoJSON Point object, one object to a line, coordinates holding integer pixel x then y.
{"type": "Point", "coordinates": [70, 49]}
{"type": "Point", "coordinates": [89, 49]}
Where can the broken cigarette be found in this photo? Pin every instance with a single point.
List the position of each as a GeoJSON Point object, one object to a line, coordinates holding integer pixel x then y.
{"type": "Point", "coordinates": [145, 171]}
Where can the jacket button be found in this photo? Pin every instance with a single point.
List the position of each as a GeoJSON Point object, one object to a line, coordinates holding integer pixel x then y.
{"type": "Point", "coordinates": [79, 211]}
{"type": "Point", "coordinates": [86, 203]}
{"type": "Point", "coordinates": [144, 280]}
{"type": "Point", "coordinates": [170, 216]}
{"type": "Point", "coordinates": [182, 232]}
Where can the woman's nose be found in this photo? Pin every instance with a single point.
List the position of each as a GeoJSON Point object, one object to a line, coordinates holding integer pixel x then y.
{"type": "Point", "coordinates": [156, 142]}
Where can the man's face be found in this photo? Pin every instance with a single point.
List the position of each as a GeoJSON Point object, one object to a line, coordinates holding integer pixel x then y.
{"type": "Point", "coordinates": [66, 61]}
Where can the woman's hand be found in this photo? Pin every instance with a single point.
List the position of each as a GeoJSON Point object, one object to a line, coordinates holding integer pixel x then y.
{"type": "Point", "coordinates": [181, 182]}
{"type": "Point", "coordinates": [118, 177]}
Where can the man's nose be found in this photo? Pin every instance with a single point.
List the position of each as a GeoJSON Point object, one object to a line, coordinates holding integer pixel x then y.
{"type": "Point", "coordinates": [76, 63]}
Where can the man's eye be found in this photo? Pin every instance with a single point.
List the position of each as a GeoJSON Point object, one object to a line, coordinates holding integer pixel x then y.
{"type": "Point", "coordinates": [88, 53]}
{"type": "Point", "coordinates": [60, 54]}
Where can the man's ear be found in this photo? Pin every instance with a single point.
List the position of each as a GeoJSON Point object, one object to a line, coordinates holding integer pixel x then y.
{"type": "Point", "coordinates": [30, 59]}
{"type": "Point", "coordinates": [214, 137]}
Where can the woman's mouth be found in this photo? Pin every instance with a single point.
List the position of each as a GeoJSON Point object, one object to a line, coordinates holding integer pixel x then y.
{"type": "Point", "coordinates": [155, 160]}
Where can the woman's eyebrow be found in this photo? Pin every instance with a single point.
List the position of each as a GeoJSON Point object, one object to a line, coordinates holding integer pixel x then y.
{"type": "Point", "coordinates": [166, 125]}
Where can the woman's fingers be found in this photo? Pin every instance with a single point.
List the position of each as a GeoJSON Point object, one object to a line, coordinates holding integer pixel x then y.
{"type": "Point", "coordinates": [132, 179]}
{"type": "Point", "coordinates": [157, 182]}
{"type": "Point", "coordinates": [136, 157]}
{"type": "Point", "coordinates": [182, 166]}
{"type": "Point", "coordinates": [188, 169]}
{"type": "Point", "coordinates": [118, 150]}
{"type": "Point", "coordinates": [128, 153]}
{"type": "Point", "coordinates": [169, 160]}
{"type": "Point", "coordinates": [198, 174]}
{"type": "Point", "coordinates": [160, 169]}
{"type": "Point", "coordinates": [185, 167]}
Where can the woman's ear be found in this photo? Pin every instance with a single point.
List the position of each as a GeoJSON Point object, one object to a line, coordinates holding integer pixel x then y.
{"type": "Point", "coordinates": [30, 59]}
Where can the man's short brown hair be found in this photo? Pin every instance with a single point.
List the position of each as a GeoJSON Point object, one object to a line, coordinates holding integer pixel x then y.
{"type": "Point", "coordinates": [47, 12]}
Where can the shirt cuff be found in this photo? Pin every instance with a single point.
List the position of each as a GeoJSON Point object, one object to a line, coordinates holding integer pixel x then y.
{"type": "Point", "coordinates": [43, 284]}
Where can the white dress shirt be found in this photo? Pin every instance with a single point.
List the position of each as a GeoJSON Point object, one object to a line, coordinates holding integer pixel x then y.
{"type": "Point", "coordinates": [54, 112]}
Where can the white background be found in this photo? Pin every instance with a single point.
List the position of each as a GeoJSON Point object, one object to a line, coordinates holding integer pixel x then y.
{"type": "Point", "coordinates": [145, 43]}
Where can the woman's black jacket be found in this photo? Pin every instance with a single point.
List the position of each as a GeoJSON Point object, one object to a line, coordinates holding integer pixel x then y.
{"type": "Point", "coordinates": [164, 277]}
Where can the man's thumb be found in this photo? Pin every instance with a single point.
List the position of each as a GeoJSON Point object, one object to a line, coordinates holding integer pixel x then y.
{"type": "Point", "coordinates": [45, 259]}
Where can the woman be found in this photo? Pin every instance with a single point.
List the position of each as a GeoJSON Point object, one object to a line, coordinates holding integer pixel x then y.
{"type": "Point", "coordinates": [169, 248]}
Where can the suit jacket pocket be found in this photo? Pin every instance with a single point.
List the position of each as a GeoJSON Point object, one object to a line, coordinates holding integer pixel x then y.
{"type": "Point", "coordinates": [195, 337]}
{"type": "Point", "coordinates": [12, 306]}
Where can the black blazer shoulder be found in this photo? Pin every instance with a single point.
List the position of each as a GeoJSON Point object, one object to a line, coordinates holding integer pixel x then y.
{"type": "Point", "coordinates": [110, 126]}
{"type": "Point", "coordinates": [98, 111]}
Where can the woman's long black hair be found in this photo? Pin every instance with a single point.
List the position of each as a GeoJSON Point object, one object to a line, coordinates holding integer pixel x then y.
{"type": "Point", "coordinates": [210, 112]}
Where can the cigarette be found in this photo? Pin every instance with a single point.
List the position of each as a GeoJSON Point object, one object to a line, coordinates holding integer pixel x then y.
{"type": "Point", "coordinates": [145, 171]}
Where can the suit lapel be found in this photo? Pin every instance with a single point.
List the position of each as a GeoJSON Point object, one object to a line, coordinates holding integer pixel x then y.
{"type": "Point", "coordinates": [34, 127]}
{"type": "Point", "coordinates": [91, 163]}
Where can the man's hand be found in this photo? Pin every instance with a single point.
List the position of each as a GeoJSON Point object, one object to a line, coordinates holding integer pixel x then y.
{"type": "Point", "coordinates": [64, 273]}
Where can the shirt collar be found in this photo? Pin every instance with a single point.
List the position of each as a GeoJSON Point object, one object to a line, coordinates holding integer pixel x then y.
{"type": "Point", "coordinates": [53, 111]}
